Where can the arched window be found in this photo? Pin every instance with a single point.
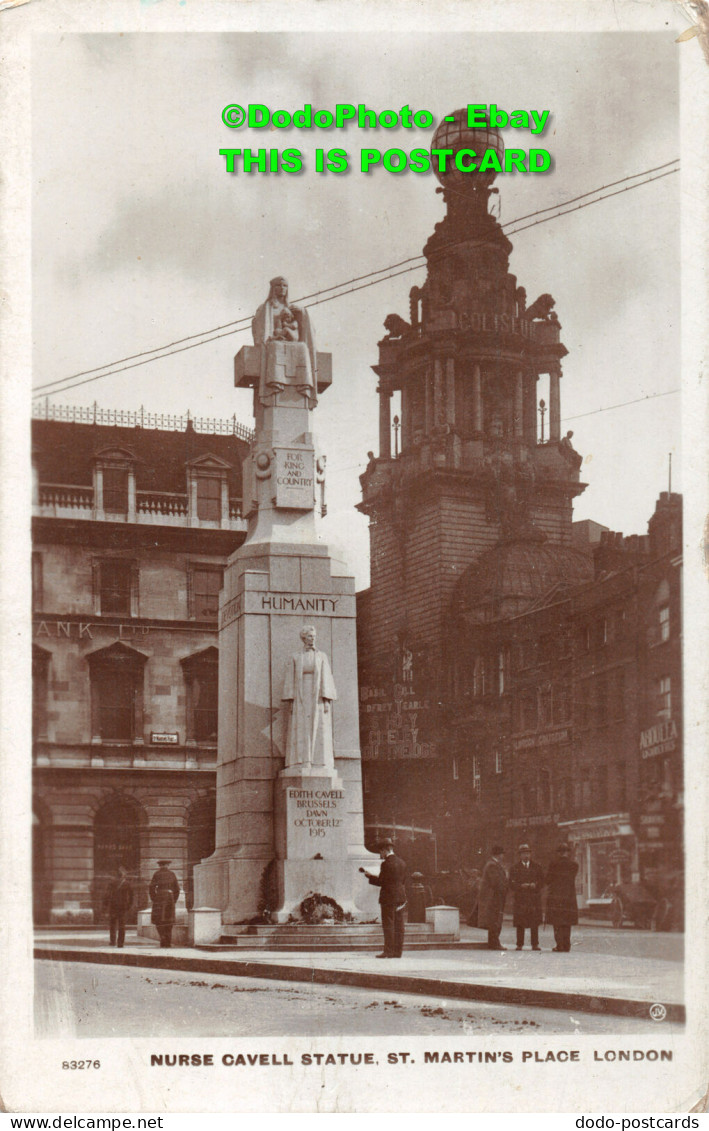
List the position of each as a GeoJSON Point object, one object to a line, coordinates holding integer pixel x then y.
{"type": "Point", "coordinates": [116, 842]}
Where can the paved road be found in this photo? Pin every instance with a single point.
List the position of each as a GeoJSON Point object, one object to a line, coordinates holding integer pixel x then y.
{"type": "Point", "coordinates": [76, 999]}
{"type": "Point", "coordinates": [626, 942]}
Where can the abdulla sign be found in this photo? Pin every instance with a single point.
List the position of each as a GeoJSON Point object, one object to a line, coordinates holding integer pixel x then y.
{"type": "Point", "coordinates": [660, 739]}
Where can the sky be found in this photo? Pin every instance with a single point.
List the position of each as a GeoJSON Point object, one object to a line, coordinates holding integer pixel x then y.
{"type": "Point", "coordinates": [141, 237]}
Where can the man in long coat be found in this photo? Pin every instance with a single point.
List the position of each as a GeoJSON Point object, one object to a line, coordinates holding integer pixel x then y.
{"type": "Point", "coordinates": [491, 899]}
{"type": "Point", "coordinates": [392, 898]}
{"type": "Point", "coordinates": [164, 890]}
{"type": "Point", "coordinates": [527, 881]}
{"type": "Point", "coordinates": [118, 902]}
{"type": "Point", "coordinates": [562, 908]}
{"type": "Point", "coordinates": [311, 689]}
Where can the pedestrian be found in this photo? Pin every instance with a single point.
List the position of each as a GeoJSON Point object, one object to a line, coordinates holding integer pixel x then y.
{"type": "Point", "coordinates": [491, 898]}
{"type": "Point", "coordinates": [117, 903]}
{"type": "Point", "coordinates": [474, 897]}
{"type": "Point", "coordinates": [164, 890]}
{"type": "Point", "coordinates": [392, 898]}
{"type": "Point", "coordinates": [526, 882]}
{"type": "Point", "coordinates": [562, 909]}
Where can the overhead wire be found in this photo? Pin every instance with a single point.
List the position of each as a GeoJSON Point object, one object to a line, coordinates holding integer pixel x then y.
{"type": "Point", "coordinates": [417, 261]}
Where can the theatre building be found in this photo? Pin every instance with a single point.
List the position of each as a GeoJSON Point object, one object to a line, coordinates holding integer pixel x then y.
{"type": "Point", "coordinates": [134, 518]}
{"type": "Point", "coordinates": [508, 686]}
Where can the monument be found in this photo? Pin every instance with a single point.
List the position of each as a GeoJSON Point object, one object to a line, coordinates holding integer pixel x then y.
{"type": "Point", "coordinates": [289, 791]}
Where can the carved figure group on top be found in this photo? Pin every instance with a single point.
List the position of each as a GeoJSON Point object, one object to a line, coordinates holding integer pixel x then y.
{"type": "Point", "coordinates": [290, 357]}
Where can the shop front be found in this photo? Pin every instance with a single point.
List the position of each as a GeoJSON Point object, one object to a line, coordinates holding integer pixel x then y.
{"type": "Point", "coordinates": [606, 851]}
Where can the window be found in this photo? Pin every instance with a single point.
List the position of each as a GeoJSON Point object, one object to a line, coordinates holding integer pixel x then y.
{"type": "Point", "coordinates": [527, 710]}
{"type": "Point", "coordinates": [498, 761]}
{"type": "Point", "coordinates": [601, 787]}
{"type": "Point", "coordinates": [476, 777]}
{"type": "Point", "coordinates": [601, 702]}
{"type": "Point", "coordinates": [456, 775]}
{"type": "Point", "coordinates": [201, 674]}
{"type": "Point", "coordinates": [544, 791]}
{"type": "Point", "coordinates": [209, 498]}
{"type": "Point", "coordinates": [583, 702]}
{"type": "Point", "coordinates": [503, 663]}
{"type": "Point", "coordinates": [116, 693]}
{"type": "Point", "coordinates": [206, 584]}
{"type": "Point", "coordinates": [664, 615]}
{"type": "Point", "coordinates": [545, 713]}
{"type": "Point", "coordinates": [40, 684]}
{"type": "Point", "coordinates": [115, 490]}
{"type": "Point", "coordinates": [479, 676]}
{"type": "Point", "coordinates": [562, 703]}
{"type": "Point", "coordinates": [115, 587]}
{"type": "Point", "coordinates": [664, 698]}
{"type": "Point", "coordinates": [620, 783]}
{"type": "Point", "coordinates": [617, 694]}
{"type": "Point", "coordinates": [37, 582]}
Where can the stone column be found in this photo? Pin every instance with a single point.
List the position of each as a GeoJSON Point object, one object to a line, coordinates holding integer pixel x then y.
{"type": "Point", "coordinates": [554, 405]}
{"type": "Point", "coordinates": [132, 498]}
{"type": "Point", "coordinates": [519, 405]}
{"type": "Point", "coordinates": [438, 406]}
{"type": "Point", "coordinates": [450, 391]}
{"type": "Point", "coordinates": [384, 423]}
{"type": "Point", "coordinates": [477, 401]}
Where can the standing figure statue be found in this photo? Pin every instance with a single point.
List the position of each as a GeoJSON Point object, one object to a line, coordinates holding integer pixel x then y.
{"type": "Point", "coordinates": [291, 358]}
{"type": "Point", "coordinates": [311, 689]}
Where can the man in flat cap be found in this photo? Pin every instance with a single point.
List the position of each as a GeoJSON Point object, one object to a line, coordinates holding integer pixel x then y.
{"type": "Point", "coordinates": [164, 890]}
{"type": "Point", "coordinates": [392, 898]}
{"type": "Point", "coordinates": [526, 882]}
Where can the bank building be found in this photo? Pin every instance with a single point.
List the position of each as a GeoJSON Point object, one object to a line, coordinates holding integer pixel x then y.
{"type": "Point", "coordinates": [519, 672]}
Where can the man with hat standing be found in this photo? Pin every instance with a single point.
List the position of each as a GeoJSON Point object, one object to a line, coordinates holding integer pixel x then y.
{"type": "Point", "coordinates": [527, 881]}
{"type": "Point", "coordinates": [491, 897]}
{"type": "Point", "coordinates": [118, 902]}
{"type": "Point", "coordinates": [392, 898]}
{"type": "Point", "coordinates": [164, 890]}
{"type": "Point", "coordinates": [562, 908]}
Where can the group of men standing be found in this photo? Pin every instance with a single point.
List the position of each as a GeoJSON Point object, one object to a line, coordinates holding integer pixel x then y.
{"type": "Point", "coordinates": [164, 891]}
{"type": "Point", "coordinates": [527, 880]}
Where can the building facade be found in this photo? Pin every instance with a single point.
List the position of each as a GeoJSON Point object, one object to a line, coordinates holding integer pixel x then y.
{"type": "Point", "coordinates": [134, 518]}
{"type": "Point", "coordinates": [509, 689]}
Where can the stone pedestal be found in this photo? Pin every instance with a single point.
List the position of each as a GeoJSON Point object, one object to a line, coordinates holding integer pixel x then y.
{"type": "Point", "coordinates": [283, 834]}
{"type": "Point", "coordinates": [445, 920]}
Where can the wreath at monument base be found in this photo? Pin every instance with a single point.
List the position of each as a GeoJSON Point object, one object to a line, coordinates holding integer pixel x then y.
{"type": "Point", "coordinates": [318, 908]}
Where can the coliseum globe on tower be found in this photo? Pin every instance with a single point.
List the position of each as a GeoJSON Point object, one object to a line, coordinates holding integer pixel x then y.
{"type": "Point", "coordinates": [457, 135]}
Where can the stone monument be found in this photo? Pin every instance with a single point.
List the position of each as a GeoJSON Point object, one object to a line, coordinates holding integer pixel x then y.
{"type": "Point", "coordinates": [289, 792]}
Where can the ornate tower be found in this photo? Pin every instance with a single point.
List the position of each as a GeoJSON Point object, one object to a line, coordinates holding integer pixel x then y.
{"type": "Point", "coordinates": [471, 470]}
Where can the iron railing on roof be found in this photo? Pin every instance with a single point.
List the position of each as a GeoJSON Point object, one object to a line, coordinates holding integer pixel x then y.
{"type": "Point", "coordinates": [128, 418]}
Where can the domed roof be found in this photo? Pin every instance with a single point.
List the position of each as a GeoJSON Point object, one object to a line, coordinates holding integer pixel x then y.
{"type": "Point", "coordinates": [512, 576]}
{"type": "Point", "coordinates": [454, 133]}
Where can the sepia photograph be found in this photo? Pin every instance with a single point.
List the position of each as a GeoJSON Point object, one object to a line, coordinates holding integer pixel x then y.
{"type": "Point", "coordinates": [355, 458]}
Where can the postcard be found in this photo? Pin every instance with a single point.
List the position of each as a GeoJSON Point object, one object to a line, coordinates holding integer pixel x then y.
{"type": "Point", "coordinates": [354, 496]}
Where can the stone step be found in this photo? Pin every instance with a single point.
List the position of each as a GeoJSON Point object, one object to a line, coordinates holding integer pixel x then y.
{"type": "Point", "coordinates": [254, 943]}
{"type": "Point", "coordinates": [305, 931]}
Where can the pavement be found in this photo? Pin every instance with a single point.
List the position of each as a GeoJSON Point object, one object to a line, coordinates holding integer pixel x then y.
{"type": "Point", "coordinates": [585, 979]}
